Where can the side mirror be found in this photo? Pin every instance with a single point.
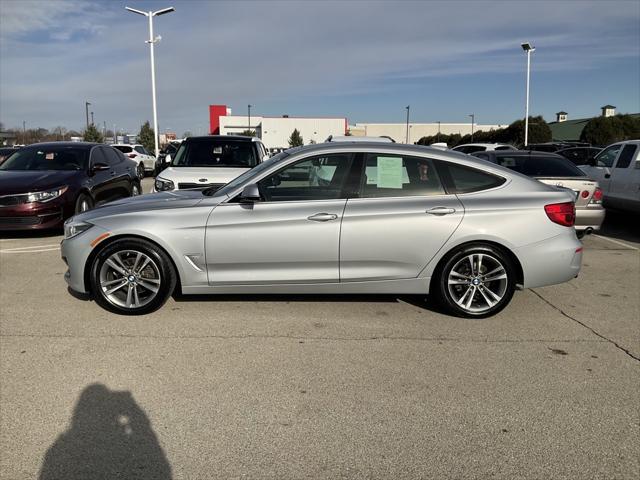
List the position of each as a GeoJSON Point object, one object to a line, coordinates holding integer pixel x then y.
{"type": "Point", "coordinates": [250, 194]}
{"type": "Point", "coordinates": [167, 159]}
{"type": "Point", "coordinates": [99, 167]}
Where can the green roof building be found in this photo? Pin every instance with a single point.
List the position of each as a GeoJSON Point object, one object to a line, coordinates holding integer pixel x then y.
{"type": "Point", "coordinates": [565, 130]}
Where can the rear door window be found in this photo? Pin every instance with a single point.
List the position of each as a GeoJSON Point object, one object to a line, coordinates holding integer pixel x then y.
{"type": "Point", "coordinates": [388, 175]}
{"type": "Point", "coordinates": [112, 155]}
{"type": "Point", "coordinates": [626, 156]}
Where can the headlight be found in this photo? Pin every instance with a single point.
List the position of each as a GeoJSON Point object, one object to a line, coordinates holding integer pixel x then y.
{"type": "Point", "coordinates": [71, 228]}
{"type": "Point", "coordinates": [42, 197]}
{"type": "Point", "coordinates": [163, 185]}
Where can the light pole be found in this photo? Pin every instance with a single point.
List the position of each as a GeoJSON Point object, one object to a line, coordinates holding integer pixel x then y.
{"type": "Point", "coordinates": [151, 43]}
{"type": "Point", "coordinates": [86, 111]}
{"type": "Point", "coordinates": [249, 115]}
{"type": "Point", "coordinates": [92, 118]}
{"type": "Point", "coordinates": [473, 120]}
{"type": "Point", "coordinates": [438, 130]}
{"type": "Point", "coordinates": [527, 48]}
{"type": "Point", "coordinates": [407, 135]}
{"type": "Point", "coordinates": [24, 132]}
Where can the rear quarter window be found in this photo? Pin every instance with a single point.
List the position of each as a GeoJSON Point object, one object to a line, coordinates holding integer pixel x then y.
{"type": "Point", "coordinates": [463, 179]}
{"type": "Point", "coordinates": [626, 156]}
{"type": "Point", "coordinates": [534, 166]}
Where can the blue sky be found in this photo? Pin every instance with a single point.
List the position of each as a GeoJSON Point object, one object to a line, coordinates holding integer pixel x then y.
{"type": "Point", "coordinates": [363, 60]}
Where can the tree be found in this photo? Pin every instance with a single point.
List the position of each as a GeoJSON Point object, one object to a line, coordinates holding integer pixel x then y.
{"type": "Point", "coordinates": [249, 133]}
{"type": "Point", "coordinates": [91, 134]}
{"type": "Point", "coordinates": [603, 131]}
{"type": "Point", "coordinates": [146, 137]}
{"type": "Point", "coordinates": [295, 140]}
{"type": "Point", "coordinates": [187, 134]}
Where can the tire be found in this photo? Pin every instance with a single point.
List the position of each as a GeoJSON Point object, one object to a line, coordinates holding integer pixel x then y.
{"type": "Point", "coordinates": [140, 171]}
{"type": "Point", "coordinates": [468, 293]}
{"type": "Point", "coordinates": [136, 189]}
{"type": "Point", "coordinates": [142, 286]}
{"type": "Point", "coordinates": [83, 203]}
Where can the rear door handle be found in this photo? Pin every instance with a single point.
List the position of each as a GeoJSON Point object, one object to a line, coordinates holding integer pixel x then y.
{"type": "Point", "coordinates": [440, 211]}
{"type": "Point", "coordinates": [322, 217]}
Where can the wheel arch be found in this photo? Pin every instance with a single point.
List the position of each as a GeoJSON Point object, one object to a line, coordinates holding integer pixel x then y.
{"type": "Point", "coordinates": [504, 249]}
{"type": "Point", "coordinates": [108, 241]}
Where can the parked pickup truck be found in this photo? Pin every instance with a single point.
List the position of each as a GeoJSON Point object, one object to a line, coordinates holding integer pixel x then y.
{"type": "Point", "coordinates": [617, 171]}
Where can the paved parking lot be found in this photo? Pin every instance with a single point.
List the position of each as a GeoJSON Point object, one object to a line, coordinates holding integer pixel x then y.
{"type": "Point", "coordinates": [322, 387]}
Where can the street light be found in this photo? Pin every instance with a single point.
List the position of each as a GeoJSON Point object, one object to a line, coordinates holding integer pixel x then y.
{"type": "Point", "coordinates": [473, 120]}
{"type": "Point", "coordinates": [407, 136]}
{"type": "Point", "coordinates": [86, 111]}
{"type": "Point", "coordinates": [527, 48]}
{"type": "Point", "coordinates": [92, 118]}
{"type": "Point", "coordinates": [249, 115]}
{"type": "Point", "coordinates": [152, 40]}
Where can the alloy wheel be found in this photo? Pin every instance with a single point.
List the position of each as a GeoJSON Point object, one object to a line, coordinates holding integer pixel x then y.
{"type": "Point", "coordinates": [477, 282]}
{"type": "Point", "coordinates": [129, 279]}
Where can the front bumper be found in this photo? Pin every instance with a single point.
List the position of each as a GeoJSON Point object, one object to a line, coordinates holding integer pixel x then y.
{"type": "Point", "coordinates": [75, 253]}
{"type": "Point", "coordinates": [552, 261]}
{"type": "Point", "coordinates": [34, 216]}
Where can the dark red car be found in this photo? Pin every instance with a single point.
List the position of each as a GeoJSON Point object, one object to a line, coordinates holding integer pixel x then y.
{"type": "Point", "coordinates": [42, 185]}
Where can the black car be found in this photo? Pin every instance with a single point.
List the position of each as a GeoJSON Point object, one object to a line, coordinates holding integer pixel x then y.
{"type": "Point", "coordinates": [554, 146]}
{"type": "Point", "coordinates": [42, 185]}
{"type": "Point", "coordinates": [580, 155]}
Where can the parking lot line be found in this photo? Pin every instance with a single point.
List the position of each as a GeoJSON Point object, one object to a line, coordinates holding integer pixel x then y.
{"type": "Point", "coordinates": [617, 242]}
{"type": "Point", "coordinates": [32, 249]}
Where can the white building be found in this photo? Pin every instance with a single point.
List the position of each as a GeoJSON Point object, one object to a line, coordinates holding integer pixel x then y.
{"type": "Point", "coordinates": [275, 131]}
{"type": "Point", "coordinates": [398, 131]}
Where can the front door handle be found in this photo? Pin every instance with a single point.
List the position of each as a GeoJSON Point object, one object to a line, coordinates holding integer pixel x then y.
{"type": "Point", "coordinates": [113, 173]}
{"type": "Point", "coordinates": [607, 175]}
{"type": "Point", "coordinates": [322, 217]}
{"type": "Point", "coordinates": [441, 211]}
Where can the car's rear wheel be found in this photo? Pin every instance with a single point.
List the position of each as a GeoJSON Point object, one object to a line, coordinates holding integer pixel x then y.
{"type": "Point", "coordinates": [132, 277]}
{"type": "Point", "coordinates": [135, 189]}
{"type": "Point", "coordinates": [83, 203]}
{"type": "Point", "coordinates": [476, 281]}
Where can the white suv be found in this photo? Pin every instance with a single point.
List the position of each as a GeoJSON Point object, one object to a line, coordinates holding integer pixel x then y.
{"type": "Point", "coordinates": [482, 147]}
{"type": "Point", "coordinates": [136, 152]}
{"type": "Point", "coordinates": [210, 162]}
{"type": "Point", "coordinates": [617, 170]}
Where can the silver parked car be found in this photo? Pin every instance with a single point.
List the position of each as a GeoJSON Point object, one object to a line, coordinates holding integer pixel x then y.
{"type": "Point", "coordinates": [334, 218]}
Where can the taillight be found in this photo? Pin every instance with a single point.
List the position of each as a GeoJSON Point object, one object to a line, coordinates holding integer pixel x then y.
{"type": "Point", "coordinates": [562, 213]}
{"type": "Point", "coordinates": [132, 155]}
{"type": "Point", "coordinates": [597, 196]}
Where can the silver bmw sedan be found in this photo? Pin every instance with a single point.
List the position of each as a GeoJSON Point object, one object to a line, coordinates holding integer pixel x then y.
{"type": "Point", "coordinates": [333, 218]}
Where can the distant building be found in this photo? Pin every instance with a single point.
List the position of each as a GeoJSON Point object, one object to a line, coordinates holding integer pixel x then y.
{"type": "Point", "coordinates": [398, 131]}
{"type": "Point", "coordinates": [274, 131]}
{"type": "Point", "coordinates": [565, 130]}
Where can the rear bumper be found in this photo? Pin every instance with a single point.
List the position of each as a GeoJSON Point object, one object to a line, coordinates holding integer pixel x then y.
{"type": "Point", "coordinates": [552, 261]}
{"type": "Point", "coordinates": [589, 218]}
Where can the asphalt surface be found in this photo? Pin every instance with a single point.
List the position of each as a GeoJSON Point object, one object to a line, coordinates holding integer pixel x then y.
{"type": "Point", "coordinates": [321, 387]}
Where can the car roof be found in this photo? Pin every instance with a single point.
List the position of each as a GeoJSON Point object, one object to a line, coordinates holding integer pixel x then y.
{"type": "Point", "coordinates": [519, 153]}
{"type": "Point", "coordinates": [231, 138]}
{"type": "Point", "coordinates": [64, 144]}
{"type": "Point", "coordinates": [482, 145]}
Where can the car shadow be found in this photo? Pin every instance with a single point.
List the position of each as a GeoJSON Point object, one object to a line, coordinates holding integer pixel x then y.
{"type": "Point", "coordinates": [621, 226]}
{"type": "Point", "coordinates": [110, 436]}
{"type": "Point", "coordinates": [420, 301]}
{"type": "Point", "coordinates": [19, 234]}
{"type": "Point", "coordinates": [85, 297]}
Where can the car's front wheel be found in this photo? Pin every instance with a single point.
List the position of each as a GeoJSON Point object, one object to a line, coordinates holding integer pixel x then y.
{"type": "Point", "coordinates": [140, 171]}
{"type": "Point", "coordinates": [476, 281]}
{"type": "Point", "coordinates": [132, 277]}
{"type": "Point", "coordinates": [83, 203]}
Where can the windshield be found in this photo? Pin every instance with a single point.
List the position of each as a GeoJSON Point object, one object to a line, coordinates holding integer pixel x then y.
{"type": "Point", "coordinates": [233, 184]}
{"type": "Point", "coordinates": [48, 158]}
{"type": "Point", "coordinates": [215, 152]}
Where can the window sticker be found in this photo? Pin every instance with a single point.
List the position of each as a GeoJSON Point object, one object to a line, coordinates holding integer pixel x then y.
{"type": "Point", "coordinates": [389, 172]}
{"type": "Point", "coordinates": [372, 175]}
